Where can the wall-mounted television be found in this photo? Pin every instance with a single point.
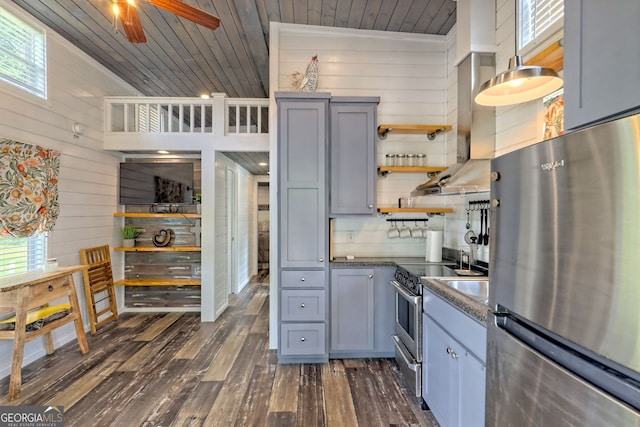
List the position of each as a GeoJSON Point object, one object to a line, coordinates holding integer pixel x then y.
{"type": "Point", "coordinates": [147, 183]}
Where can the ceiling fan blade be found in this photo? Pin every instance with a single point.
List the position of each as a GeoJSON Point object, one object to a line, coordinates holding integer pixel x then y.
{"type": "Point", "coordinates": [131, 22]}
{"type": "Point", "coordinates": [188, 12]}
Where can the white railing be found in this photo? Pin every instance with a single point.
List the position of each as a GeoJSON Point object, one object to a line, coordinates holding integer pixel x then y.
{"type": "Point", "coordinates": [217, 115]}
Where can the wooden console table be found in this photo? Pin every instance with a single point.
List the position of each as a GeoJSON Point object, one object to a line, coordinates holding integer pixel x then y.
{"type": "Point", "coordinates": [24, 292]}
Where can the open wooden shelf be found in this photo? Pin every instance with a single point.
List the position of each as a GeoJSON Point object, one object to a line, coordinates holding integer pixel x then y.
{"type": "Point", "coordinates": [156, 215]}
{"type": "Point", "coordinates": [430, 130]}
{"type": "Point", "coordinates": [160, 249]}
{"type": "Point", "coordinates": [385, 170]}
{"type": "Point", "coordinates": [158, 282]}
{"type": "Point", "coordinates": [415, 210]}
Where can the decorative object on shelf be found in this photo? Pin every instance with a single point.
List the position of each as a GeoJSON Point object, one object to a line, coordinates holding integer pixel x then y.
{"type": "Point", "coordinates": [197, 199]}
{"type": "Point", "coordinates": [129, 234]}
{"type": "Point", "coordinates": [307, 82]}
{"type": "Point", "coordinates": [163, 237]}
{"type": "Point", "coordinates": [554, 116]}
{"type": "Point", "coordinates": [430, 130]}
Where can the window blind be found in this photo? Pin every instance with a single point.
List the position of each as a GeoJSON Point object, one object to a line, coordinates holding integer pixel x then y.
{"type": "Point", "coordinates": [21, 255]}
{"type": "Point", "coordinates": [538, 20]}
{"type": "Point", "coordinates": [22, 54]}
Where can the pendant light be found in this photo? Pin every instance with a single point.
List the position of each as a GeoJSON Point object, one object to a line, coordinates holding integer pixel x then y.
{"type": "Point", "coordinates": [520, 83]}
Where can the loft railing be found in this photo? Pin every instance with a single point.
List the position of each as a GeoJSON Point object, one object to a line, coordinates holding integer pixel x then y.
{"type": "Point", "coordinates": [217, 115]}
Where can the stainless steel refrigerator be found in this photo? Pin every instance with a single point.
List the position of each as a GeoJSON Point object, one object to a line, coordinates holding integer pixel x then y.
{"type": "Point", "coordinates": [564, 336]}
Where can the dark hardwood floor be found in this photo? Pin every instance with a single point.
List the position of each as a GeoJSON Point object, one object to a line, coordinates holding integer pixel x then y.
{"type": "Point", "coordinates": [169, 369]}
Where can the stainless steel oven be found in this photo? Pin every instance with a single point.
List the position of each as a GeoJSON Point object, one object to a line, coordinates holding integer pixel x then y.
{"type": "Point", "coordinates": [408, 328]}
{"type": "Point", "coordinates": [408, 317]}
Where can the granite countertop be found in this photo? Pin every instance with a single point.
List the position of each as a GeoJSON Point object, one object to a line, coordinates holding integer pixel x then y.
{"type": "Point", "coordinates": [378, 261]}
{"type": "Point", "coordinates": [465, 303]}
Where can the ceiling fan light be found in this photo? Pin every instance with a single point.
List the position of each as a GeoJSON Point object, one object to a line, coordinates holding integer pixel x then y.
{"type": "Point", "coordinates": [518, 84]}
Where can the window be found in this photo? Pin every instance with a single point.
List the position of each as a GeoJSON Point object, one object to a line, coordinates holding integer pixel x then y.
{"type": "Point", "coordinates": [539, 20]}
{"type": "Point", "coordinates": [22, 54]}
{"type": "Point", "coordinates": [21, 255]}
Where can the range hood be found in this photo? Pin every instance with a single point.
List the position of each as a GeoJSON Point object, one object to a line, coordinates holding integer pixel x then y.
{"type": "Point", "coordinates": [475, 135]}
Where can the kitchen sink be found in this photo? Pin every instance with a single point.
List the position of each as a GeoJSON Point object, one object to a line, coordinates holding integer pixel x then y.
{"type": "Point", "coordinates": [475, 288]}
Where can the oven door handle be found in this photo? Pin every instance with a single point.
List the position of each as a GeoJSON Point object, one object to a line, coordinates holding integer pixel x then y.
{"type": "Point", "coordinates": [414, 299]}
{"type": "Point", "coordinates": [411, 364]}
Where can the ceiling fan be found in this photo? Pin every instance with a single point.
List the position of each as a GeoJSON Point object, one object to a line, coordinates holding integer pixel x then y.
{"type": "Point", "coordinates": [126, 12]}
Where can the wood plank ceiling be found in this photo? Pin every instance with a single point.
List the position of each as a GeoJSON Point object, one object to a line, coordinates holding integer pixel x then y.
{"type": "Point", "coordinates": [181, 58]}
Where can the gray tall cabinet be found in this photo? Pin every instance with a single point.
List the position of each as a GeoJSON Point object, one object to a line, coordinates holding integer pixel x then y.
{"type": "Point", "coordinates": [326, 151]}
{"type": "Point", "coordinates": [303, 124]}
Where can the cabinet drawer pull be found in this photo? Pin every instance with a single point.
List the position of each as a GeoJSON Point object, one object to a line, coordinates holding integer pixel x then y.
{"type": "Point", "coordinates": [371, 276]}
{"type": "Point", "coordinates": [321, 259]}
{"type": "Point", "coordinates": [370, 206]}
{"type": "Point", "coordinates": [452, 353]}
{"type": "Point", "coordinates": [302, 279]}
{"type": "Point", "coordinates": [302, 339]}
{"type": "Point", "coordinates": [50, 288]}
{"type": "Point", "coordinates": [302, 305]}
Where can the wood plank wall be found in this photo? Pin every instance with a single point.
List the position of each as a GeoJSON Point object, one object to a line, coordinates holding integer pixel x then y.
{"type": "Point", "coordinates": [409, 74]}
{"type": "Point", "coordinates": [88, 175]}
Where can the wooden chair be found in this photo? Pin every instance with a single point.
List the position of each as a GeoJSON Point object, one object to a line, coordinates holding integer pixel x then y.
{"type": "Point", "coordinates": [98, 286]}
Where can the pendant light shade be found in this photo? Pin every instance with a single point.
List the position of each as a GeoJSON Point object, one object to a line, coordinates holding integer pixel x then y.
{"type": "Point", "coordinates": [520, 83]}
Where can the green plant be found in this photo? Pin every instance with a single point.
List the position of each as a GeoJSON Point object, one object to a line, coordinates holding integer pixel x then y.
{"type": "Point", "coordinates": [130, 232]}
{"type": "Point", "coordinates": [198, 198]}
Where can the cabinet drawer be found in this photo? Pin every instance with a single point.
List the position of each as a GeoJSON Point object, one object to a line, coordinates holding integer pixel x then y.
{"type": "Point", "coordinates": [303, 305]}
{"type": "Point", "coordinates": [302, 339]}
{"type": "Point", "coordinates": [49, 291]}
{"type": "Point", "coordinates": [303, 278]}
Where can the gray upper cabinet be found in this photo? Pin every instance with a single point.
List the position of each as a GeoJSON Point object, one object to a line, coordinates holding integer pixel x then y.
{"type": "Point", "coordinates": [353, 155]}
{"type": "Point", "coordinates": [302, 145]}
{"type": "Point", "coordinates": [601, 60]}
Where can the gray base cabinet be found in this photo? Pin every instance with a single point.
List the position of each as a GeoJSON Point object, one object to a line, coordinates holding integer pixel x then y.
{"type": "Point", "coordinates": [601, 60]}
{"type": "Point", "coordinates": [353, 155]}
{"type": "Point", "coordinates": [453, 374]}
{"type": "Point", "coordinates": [303, 121]}
{"type": "Point", "coordinates": [361, 312]}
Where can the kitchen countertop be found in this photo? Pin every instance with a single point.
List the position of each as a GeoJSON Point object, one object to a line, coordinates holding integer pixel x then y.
{"type": "Point", "coordinates": [379, 261]}
{"type": "Point", "coordinates": [465, 303]}
{"type": "Point", "coordinates": [469, 305]}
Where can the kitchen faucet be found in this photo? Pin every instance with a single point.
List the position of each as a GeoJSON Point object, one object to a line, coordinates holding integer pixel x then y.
{"type": "Point", "coordinates": [471, 255]}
